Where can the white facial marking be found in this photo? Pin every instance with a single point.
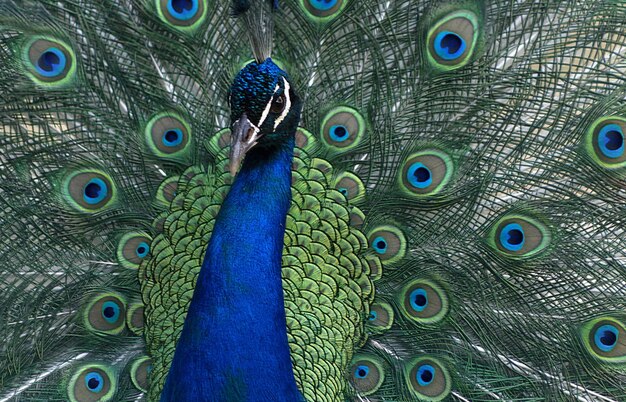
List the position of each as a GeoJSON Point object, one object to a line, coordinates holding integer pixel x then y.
{"type": "Point", "coordinates": [267, 107]}
{"type": "Point", "coordinates": [287, 105]}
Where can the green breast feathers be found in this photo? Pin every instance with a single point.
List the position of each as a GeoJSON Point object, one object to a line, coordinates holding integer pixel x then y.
{"type": "Point", "coordinates": [327, 272]}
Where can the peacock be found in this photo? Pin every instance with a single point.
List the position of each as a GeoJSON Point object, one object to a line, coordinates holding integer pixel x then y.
{"type": "Point", "coordinates": [312, 200]}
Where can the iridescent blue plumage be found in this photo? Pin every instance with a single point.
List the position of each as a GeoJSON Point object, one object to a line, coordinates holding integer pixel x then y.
{"type": "Point", "coordinates": [239, 293]}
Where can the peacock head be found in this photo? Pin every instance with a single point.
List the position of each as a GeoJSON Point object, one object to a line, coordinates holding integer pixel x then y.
{"type": "Point", "coordinates": [265, 110]}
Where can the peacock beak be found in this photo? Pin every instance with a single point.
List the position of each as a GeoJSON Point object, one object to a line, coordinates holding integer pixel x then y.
{"type": "Point", "coordinates": [244, 136]}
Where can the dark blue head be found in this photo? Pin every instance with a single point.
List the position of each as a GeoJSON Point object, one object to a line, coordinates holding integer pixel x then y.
{"type": "Point", "coordinates": [265, 110]}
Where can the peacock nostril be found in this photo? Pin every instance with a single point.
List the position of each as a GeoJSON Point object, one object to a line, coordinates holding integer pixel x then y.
{"type": "Point", "coordinates": [249, 135]}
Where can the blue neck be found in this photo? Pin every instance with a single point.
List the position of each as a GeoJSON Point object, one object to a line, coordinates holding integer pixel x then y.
{"type": "Point", "coordinates": [233, 346]}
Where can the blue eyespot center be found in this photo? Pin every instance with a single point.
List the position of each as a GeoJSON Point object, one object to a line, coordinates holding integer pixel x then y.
{"type": "Point", "coordinates": [419, 175]}
{"type": "Point", "coordinates": [611, 141]}
{"type": "Point", "coordinates": [361, 371]}
{"type": "Point", "coordinates": [339, 133]}
{"type": "Point", "coordinates": [142, 249]}
{"type": "Point", "coordinates": [323, 5]}
{"type": "Point", "coordinates": [422, 174]}
{"type": "Point", "coordinates": [94, 382]}
{"type": "Point", "coordinates": [373, 315]}
{"type": "Point", "coordinates": [51, 62]}
{"type": "Point", "coordinates": [182, 9]}
{"type": "Point", "coordinates": [425, 375]}
{"type": "Point", "coordinates": [614, 140]}
{"type": "Point", "coordinates": [380, 245]}
{"type": "Point", "coordinates": [512, 237]}
{"type": "Point", "coordinates": [449, 45]}
{"type": "Point", "coordinates": [95, 191]}
{"type": "Point", "coordinates": [173, 137]}
{"type": "Point", "coordinates": [343, 191]}
{"type": "Point", "coordinates": [419, 299]}
{"type": "Point", "coordinates": [606, 337]}
{"type": "Point", "coordinates": [110, 312]}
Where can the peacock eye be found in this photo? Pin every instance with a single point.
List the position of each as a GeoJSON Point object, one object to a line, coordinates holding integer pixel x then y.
{"type": "Point", "coordinates": [452, 40]}
{"type": "Point", "coordinates": [428, 379]}
{"type": "Point", "coordinates": [89, 190]}
{"type": "Point", "coordinates": [49, 61]}
{"type": "Point", "coordinates": [132, 248]}
{"type": "Point", "coordinates": [278, 105]}
{"type": "Point", "coordinates": [425, 173]}
{"type": "Point", "coordinates": [604, 339]}
{"type": "Point", "coordinates": [140, 372]}
{"type": "Point", "coordinates": [182, 14]}
{"type": "Point", "coordinates": [366, 374]}
{"type": "Point", "coordinates": [605, 142]}
{"type": "Point", "coordinates": [92, 382]}
{"type": "Point", "coordinates": [380, 317]}
{"type": "Point", "coordinates": [520, 236]}
{"type": "Point", "coordinates": [424, 301]}
{"type": "Point", "coordinates": [106, 313]}
{"type": "Point", "coordinates": [168, 135]}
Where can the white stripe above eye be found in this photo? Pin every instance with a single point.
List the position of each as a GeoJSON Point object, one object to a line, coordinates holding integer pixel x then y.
{"type": "Point", "coordinates": [287, 105]}
{"type": "Point", "coordinates": [266, 111]}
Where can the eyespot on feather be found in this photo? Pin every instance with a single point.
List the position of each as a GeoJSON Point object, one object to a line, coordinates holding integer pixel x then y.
{"type": "Point", "coordinates": [322, 10]}
{"type": "Point", "coordinates": [106, 313]}
{"type": "Point", "coordinates": [132, 248]}
{"type": "Point", "coordinates": [88, 190]}
{"type": "Point", "coordinates": [380, 318]}
{"type": "Point", "coordinates": [428, 379]}
{"type": "Point", "coordinates": [168, 134]}
{"type": "Point", "coordinates": [135, 318]}
{"type": "Point", "coordinates": [388, 242]}
{"type": "Point", "coordinates": [375, 266]}
{"type": "Point", "coordinates": [167, 191]}
{"type": "Point", "coordinates": [424, 301]}
{"type": "Point", "coordinates": [604, 142]}
{"type": "Point", "coordinates": [605, 339]}
{"type": "Point", "coordinates": [366, 374]}
{"type": "Point", "coordinates": [519, 236]}
{"type": "Point", "coordinates": [140, 372]}
{"type": "Point", "coordinates": [49, 61]}
{"type": "Point", "coordinates": [357, 217]}
{"type": "Point", "coordinates": [92, 383]}
{"type": "Point", "coordinates": [184, 15]}
{"type": "Point", "coordinates": [351, 186]}
{"type": "Point", "coordinates": [342, 129]}
{"type": "Point", "coordinates": [425, 173]}
{"type": "Point", "coordinates": [452, 40]}
{"type": "Point", "coordinates": [305, 141]}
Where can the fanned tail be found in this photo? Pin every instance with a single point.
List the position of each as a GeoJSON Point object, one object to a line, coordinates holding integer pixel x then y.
{"type": "Point", "coordinates": [488, 137]}
{"type": "Point", "coordinates": [101, 103]}
{"type": "Point", "coordinates": [478, 146]}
